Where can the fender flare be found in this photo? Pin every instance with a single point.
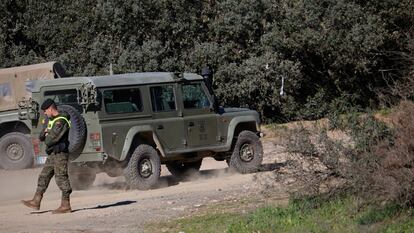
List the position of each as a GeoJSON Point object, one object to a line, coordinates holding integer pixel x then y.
{"type": "Point", "coordinates": [233, 124]}
{"type": "Point", "coordinates": [130, 137]}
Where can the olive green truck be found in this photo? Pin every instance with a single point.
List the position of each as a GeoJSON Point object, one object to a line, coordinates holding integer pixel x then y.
{"type": "Point", "coordinates": [16, 83]}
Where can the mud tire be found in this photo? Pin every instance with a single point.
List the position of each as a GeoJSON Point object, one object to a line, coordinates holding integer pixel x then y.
{"type": "Point", "coordinates": [247, 155]}
{"type": "Point", "coordinates": [143, 169]}
{"type": "Point", "coordinates": [16, 151]}
{"type": "Point", "coordinates": [77, 132]}
{"type": "Point", "coordinates": [81, 178]}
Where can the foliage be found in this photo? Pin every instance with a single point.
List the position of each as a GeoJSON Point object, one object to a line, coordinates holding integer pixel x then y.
{"type": "Point", "coordinates": [323, 49]}
{"type": "Point", "coordinates": [362, 155]}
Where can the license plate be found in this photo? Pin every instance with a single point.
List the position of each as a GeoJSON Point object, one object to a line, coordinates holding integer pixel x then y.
{"type": "Point", "coordinates": [41, 160]}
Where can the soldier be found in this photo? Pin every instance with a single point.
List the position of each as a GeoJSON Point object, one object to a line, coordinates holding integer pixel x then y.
{"type": "Point", "coordinates": [56, 139]}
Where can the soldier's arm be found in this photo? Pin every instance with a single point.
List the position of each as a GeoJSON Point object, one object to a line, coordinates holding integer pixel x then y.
{"type": "Point", "coordinates": [56, 133]}
{"type": "Point", "coordinates": [42, 135]}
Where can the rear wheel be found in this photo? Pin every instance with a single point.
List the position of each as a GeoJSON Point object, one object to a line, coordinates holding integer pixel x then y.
{"type": "Point", "coordinates": [16, 151]}
{"type": "Point", "coordinates": [81, 178]}
{"type": "Point", "coordinates": [247, 155]}
{"type": "Point", "coordinates": [144, 168]}
{"type": "Point", "coordinates": [182, 170]}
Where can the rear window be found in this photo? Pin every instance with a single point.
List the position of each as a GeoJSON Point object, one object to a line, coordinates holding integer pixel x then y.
{"type": "Point", "coordinates": [123, 101]}
{"type": "Point", "coordinates": [68, 97]}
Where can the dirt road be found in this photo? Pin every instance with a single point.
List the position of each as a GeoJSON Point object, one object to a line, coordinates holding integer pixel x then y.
{"type": "Point", "coordinates": [109, 207]}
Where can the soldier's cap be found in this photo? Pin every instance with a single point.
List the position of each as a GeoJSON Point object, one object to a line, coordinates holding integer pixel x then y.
{"type": "Point", "coordinates": [47, 104]}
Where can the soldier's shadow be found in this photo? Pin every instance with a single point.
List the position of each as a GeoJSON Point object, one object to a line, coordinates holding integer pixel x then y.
{"type": "Point", "coordinates": [120, 203]}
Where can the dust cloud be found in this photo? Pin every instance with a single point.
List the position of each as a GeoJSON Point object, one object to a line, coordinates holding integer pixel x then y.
{"type": "Point", "coordinates": [21, 184]}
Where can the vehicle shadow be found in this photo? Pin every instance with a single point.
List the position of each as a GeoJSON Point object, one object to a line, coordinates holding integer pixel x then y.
{"type": "Point", "coordinates": [170, 180]}
{"type": "Point", "coordinates": [121, 203]}
{"type": "Point", "coordinates": [267, 167]}
{"type": "Point", "coordinates": [163, 182]}
{"type": "Point", "coordinates": [223, 172]}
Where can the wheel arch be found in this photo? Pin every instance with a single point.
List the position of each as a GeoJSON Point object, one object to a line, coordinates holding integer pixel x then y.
{"type": "Point", "coordinates": [14, 126]}
{"type": "Point", "coordinates": [138, 135]}
{"type": "Point", "coordinates": [239, 124]}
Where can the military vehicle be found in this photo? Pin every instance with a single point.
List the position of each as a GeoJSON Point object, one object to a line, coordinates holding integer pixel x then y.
{"type": "Point", "coordinates": [16, 150]}
{"type": "Point", "coordinates": [130, 124]}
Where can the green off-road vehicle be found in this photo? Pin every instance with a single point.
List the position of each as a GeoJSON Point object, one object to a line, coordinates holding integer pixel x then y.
{"type": "Point", "coordinates": [130, 124]}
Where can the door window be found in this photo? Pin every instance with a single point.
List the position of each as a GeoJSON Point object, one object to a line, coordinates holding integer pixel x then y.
{"type": "Point", "coordinates": [162, 98]}
{"type": "Point", "coordinates": [194, 96]}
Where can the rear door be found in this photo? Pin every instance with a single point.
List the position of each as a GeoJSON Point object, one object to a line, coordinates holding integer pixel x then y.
{"type": "Point", "coordinates": [167, 120]}
{"type": "Point", "coordinates": [124, 109]}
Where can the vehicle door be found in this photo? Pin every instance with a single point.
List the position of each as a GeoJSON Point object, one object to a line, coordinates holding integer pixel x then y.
{"type": "Point", "coordinates": [200, 121]}
{"type": "Point", "coordinates": [167, 120]}
{"type": "Point", "coordinates": [124, 109]}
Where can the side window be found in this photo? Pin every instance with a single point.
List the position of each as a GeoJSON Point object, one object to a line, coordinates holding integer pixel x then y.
{"type": "Point", "coordinates": [123, 101]}
{"type": "Point", "coordinates": [194, 96]}
{"type": "Point", "coordinates": [162, 98]}
{"type": "Point", "coordinates": [5, 93]}
{"type": "Point", "coordinates": [29, 85]}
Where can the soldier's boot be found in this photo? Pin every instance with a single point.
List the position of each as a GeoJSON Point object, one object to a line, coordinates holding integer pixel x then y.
{"type": "Point", "coordinates": [35, 202]}
{"type": "Point", "coordinates": [64, 207]}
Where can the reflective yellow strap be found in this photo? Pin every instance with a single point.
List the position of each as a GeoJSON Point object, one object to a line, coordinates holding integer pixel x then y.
{"type": "Point", "coordinates": [52, 122]}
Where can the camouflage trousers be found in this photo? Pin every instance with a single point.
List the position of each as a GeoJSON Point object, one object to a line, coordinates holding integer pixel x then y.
{"type": "Point", "coordinates": [57, 165]}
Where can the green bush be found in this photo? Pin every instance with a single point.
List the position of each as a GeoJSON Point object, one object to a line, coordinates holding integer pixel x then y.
{"type": "Point", "coordinates": [324, 50]}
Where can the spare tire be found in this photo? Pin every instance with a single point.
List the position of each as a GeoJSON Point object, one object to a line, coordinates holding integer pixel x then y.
{"type": "Point", "coordinates": [77, 132]}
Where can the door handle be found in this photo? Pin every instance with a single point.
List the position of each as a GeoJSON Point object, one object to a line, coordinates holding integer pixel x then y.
{"type": "Point", "coordinates": [160, 127]}
{"type": "Point", "coordinates": [114, 138]}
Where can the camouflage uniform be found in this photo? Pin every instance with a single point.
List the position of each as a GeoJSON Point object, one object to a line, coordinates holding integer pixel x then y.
{"type": "Point", "coordinates": [57, 143]}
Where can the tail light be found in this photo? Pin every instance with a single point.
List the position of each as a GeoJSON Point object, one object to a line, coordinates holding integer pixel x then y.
{"type": "Point", "coordinates": [95, 141]}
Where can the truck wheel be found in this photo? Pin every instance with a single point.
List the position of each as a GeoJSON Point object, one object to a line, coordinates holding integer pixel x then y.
{"type": "Point", "coordinates": [247, 154]}
{"type": "Point", "coordinates": [183, 170]}
{"type": "Point", "coordinates": [77, 132]}
{"type": "Point", "coordinates": [16, 151]}
{"type": "Point", "coordinates": [81, 178]}
{"type": "Point", "coordinates": [143, 168]}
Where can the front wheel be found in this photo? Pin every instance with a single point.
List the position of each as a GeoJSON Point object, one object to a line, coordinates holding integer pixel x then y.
{"type": "Point", "coordinates": [144, 168]}
{"type": "Point", "coordinates": [247, 155]}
